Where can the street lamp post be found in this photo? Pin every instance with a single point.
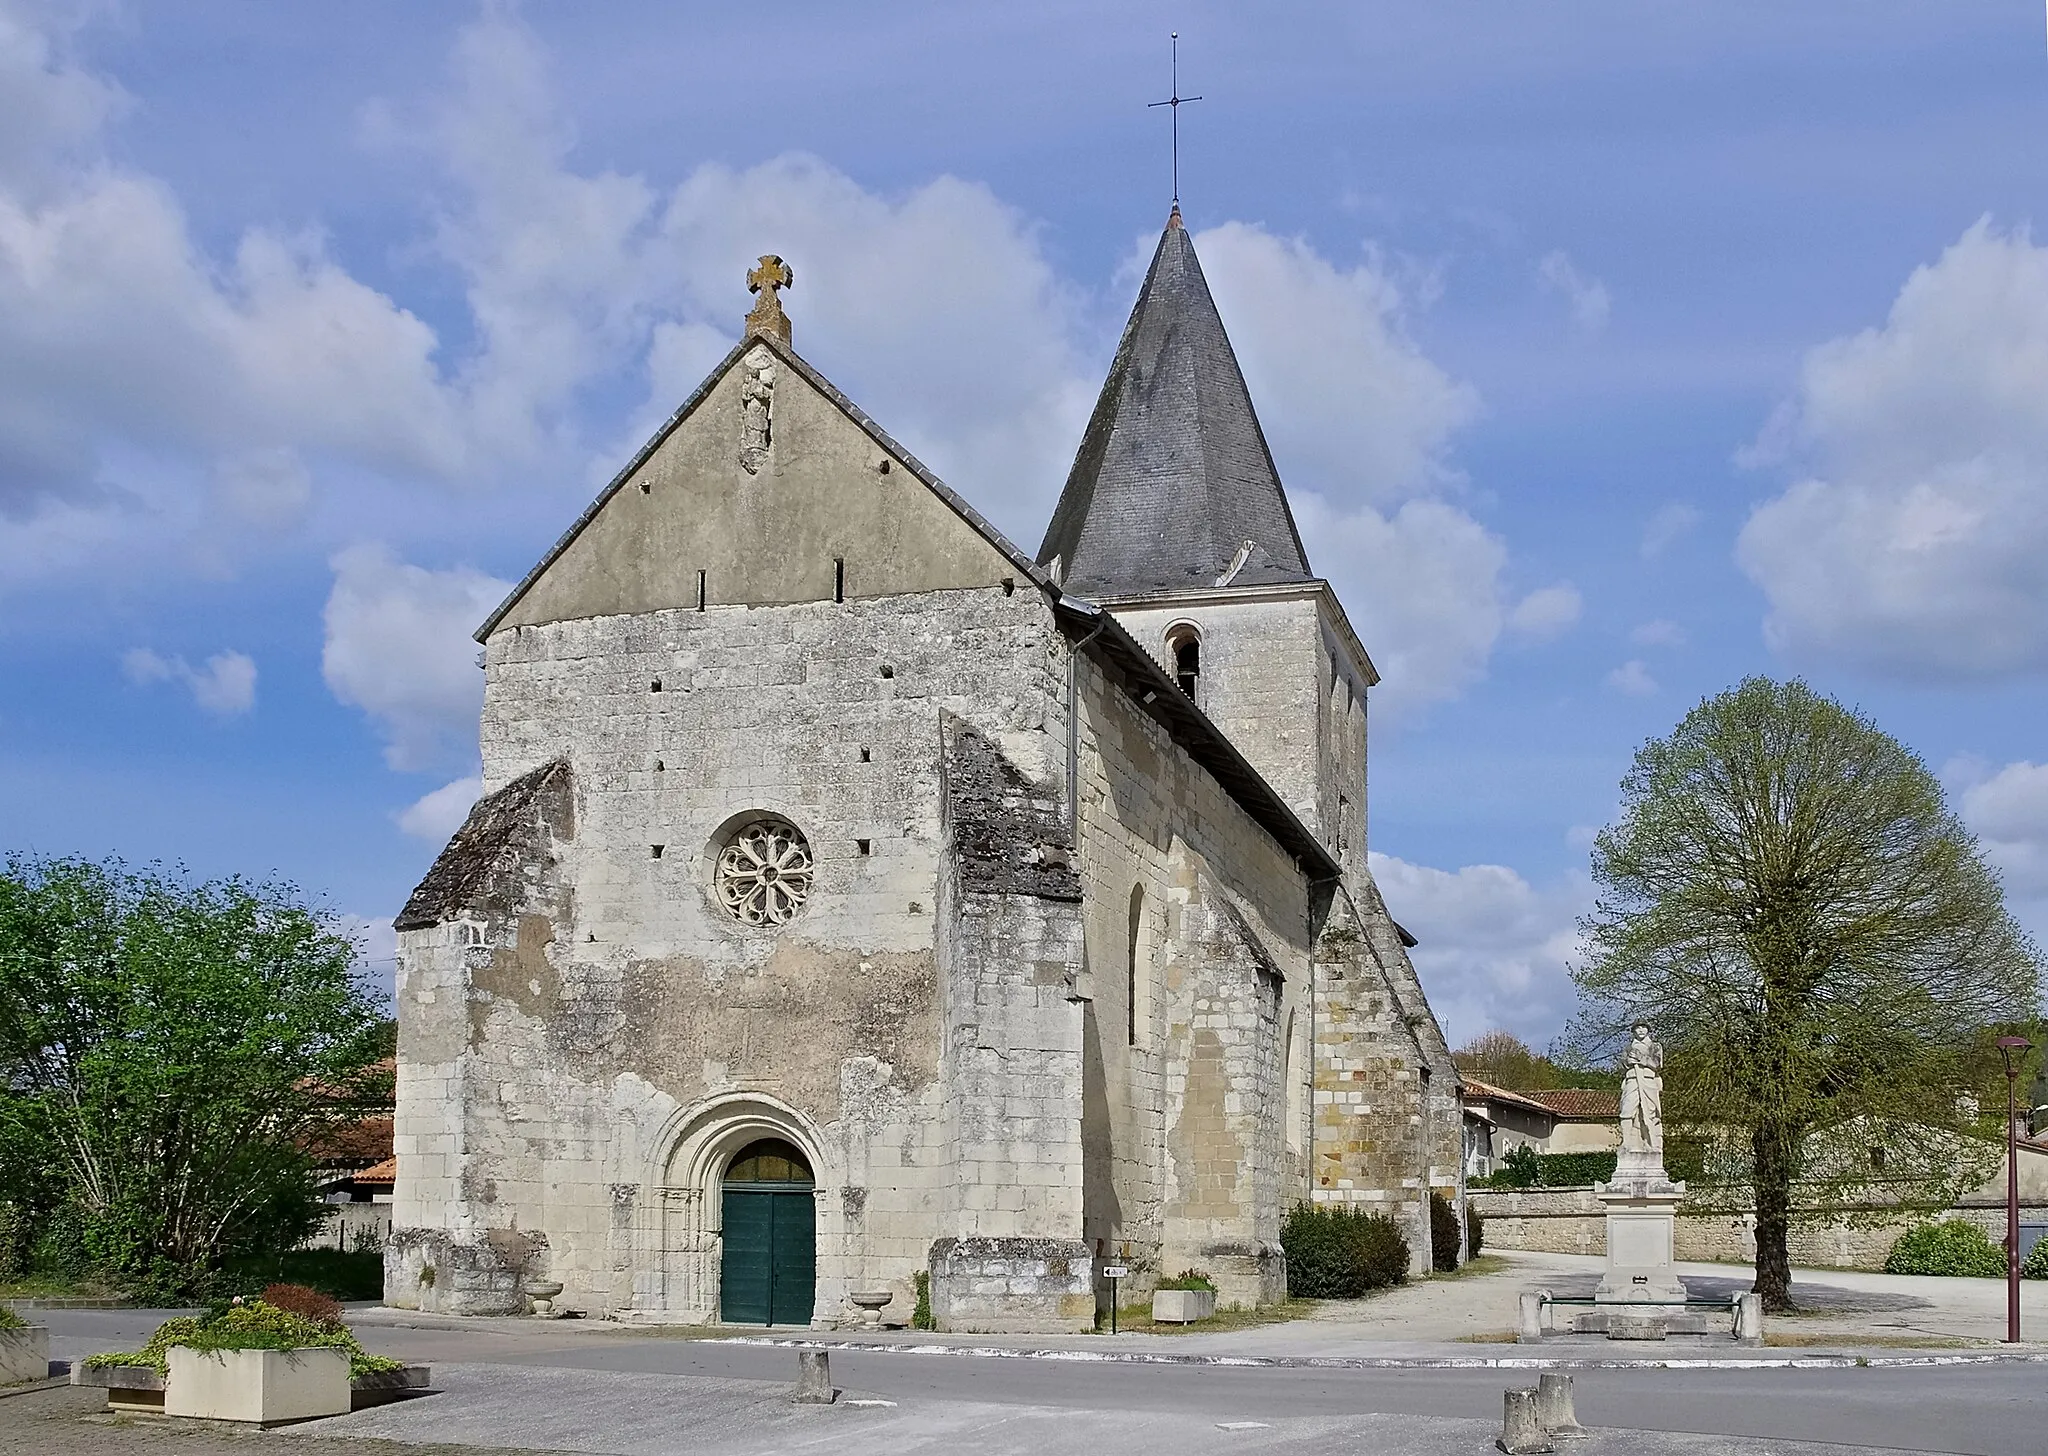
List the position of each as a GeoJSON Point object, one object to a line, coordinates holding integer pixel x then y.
{"type": "Point", "coordinates": [2012, 1050]}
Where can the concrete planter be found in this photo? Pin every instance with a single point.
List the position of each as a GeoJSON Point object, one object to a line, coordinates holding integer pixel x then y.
{"type": "Point", "coordinates": [1182, 1306]}
{"type": "Point", "coordinates": [24, 1354]}
{"type": "Point", "coordinates": [138, 1389]}
{"type": "Point", "coordinates": [262, 1387]}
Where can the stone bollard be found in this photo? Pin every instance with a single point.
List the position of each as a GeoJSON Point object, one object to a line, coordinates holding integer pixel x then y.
{"type": "Point", "coordinates": [813, 1378]}
{"type": "Point", "coordinates": [1521, 1433]}
{"type": "Point", "coordinates": [1554, 1407]}
{"type": "Point", "coordinates": [1530, 1331]}
{"type": "Point", "coordinates": [1749, 1318]}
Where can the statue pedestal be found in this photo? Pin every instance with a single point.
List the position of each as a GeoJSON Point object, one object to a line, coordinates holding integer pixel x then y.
{"type": "Point", "coordinates": [1642, 1212]}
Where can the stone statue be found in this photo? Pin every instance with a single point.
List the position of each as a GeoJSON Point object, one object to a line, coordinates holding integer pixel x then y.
{"type": "Point", "coordinates": [1642, 1096]}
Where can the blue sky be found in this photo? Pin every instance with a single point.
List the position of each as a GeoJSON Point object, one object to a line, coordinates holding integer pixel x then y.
{"type": "Point", "coordinates": [1610, 351]}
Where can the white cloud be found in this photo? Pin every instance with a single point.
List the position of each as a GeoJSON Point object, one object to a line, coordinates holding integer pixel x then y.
{"type": "Point", "coordinates": [1912, 542]}
{"type": "Point", "coordinates": [2007, 809]}
{"type": "Point", "coordinates": [224, 686]}
{"type": "Point", "coordinates": [1546, 612]}
{"type": "Point", "coordinates": [1587, 297]}
{"type": "Point", "coordinates": [1349, 402]}
{"type": "Point", "coordinates": [1632, 678]}
{"type": "Point", "coordinates": [439, 814]}
{"type": "Point", "coordinates": [132, 361]}
{"type": "Point", "coordinates": [1492, 949]}
{"type": "Point", "coordinates": [1659, 633]}
{"type": "Point", "coordinates": [399, 647]}
{"type": "Point", "coordinates": [1666, 526]}
{"type": "Point", "coordinates": [1423, 588]}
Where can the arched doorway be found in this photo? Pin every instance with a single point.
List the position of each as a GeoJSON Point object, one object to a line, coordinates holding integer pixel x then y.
{"type": "Point", "coordinates": [769, 1264]}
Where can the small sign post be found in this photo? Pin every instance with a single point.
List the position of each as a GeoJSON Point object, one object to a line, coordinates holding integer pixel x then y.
{"type": "Point", "coordinates": [1113, 1273]}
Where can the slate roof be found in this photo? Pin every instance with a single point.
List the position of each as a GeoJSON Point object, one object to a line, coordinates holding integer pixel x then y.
{"type": "Point", "coordinates": [1173, 475]}
{"type": "Point", "coordinates": [459, 876]}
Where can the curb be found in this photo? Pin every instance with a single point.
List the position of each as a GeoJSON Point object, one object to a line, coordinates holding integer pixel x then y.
{"type": "Point", "coordinates": [1403, 1362]}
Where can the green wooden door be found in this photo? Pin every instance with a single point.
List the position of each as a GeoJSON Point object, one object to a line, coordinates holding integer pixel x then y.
{"type": "Point", "coordinates": [748, 1275]}
{"type": "Point", "coordinates": [768, 1271]}
{"type": "Point", "coordinates": [794, 1265]}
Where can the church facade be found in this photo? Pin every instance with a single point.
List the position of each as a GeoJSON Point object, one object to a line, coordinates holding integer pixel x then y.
{"type": "Point", "coordinates": [859, 903]}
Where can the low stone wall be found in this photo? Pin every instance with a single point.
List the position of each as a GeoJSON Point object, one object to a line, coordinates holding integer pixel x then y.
{"type": "Point", "coordinates": [1572, 1221]}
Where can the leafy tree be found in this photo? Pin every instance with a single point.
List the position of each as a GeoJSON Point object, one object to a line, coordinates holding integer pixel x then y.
{"type": "Point", "coordinates": [1790, 904]}
{"type": "Point", "coordinates": [1505, 1060]}
{"type": "Point", "coordinates": [170, 1050]}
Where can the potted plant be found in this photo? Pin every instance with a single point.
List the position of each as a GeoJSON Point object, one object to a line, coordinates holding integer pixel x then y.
{"type": "Point", "coordinates": [24, 1349]}
{"type": "Point", "coordinates": [1189, 1296]}
{"type": "Point", "coordinates": [255, 1360]}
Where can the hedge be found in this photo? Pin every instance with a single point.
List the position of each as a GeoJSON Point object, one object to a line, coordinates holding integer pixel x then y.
{"type": "Point", "coordinates": [1954, 1249]}
{"type": "Point", "coordinates": [1335, 1252]}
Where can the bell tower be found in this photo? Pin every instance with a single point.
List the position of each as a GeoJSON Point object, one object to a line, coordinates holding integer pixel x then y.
{"type": "Point", "coordinates": [1174, 518]}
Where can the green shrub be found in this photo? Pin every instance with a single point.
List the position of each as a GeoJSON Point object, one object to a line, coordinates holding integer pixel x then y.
{"type": "Point", "coordinates": [9, 1320]}
{"type": "Point", "coordinates": [1341, 1253]}
{"type": "Point", "coordinates": [1188, 1279]}
{"type": "Point", "coordinates": [1475, 1231]}
{"type": "Point", "coordinates": [249, 1325]}
{"type": "Point", "coordinates": [1443, 1233]}
{"type": "Point", "coordinates": [1524, 1167]}
{"type": "Point", "coordinates": [354, 1274]}
{"type": "Point", "coordinates": [1953, 1248]}
{"type": "Point", "coordinates": [2035, 1265]}
{"type": "Point", "coordinates": [921, 1317]}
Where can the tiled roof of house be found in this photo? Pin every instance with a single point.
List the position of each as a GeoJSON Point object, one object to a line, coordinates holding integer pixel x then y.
{"type": "Point", "coordinates": [1589, 1104]}
{"type": "Point", "coordinates": [384, 1172]}
{"type": "Point", "coordinates": [1477, 1091]}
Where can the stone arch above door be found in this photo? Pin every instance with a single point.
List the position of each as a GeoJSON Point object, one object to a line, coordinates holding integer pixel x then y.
{"type": "Point", "coordinates": [687, 1177]}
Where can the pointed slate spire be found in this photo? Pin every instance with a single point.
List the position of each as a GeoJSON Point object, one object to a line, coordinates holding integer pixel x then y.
{"type": "Point", "coordinates": [1173, 486]}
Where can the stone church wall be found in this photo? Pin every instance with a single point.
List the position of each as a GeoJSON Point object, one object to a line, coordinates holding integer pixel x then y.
{"type": "Point", "coordinates": [578, 1060]}
{"type": "Point", "coordinates": [1185, 1119]}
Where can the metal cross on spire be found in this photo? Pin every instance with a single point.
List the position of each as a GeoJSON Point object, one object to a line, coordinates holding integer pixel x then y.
{"type": "Point", "coordinates": [1175, 101]}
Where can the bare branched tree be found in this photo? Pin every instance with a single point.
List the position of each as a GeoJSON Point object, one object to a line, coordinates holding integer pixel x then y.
{"type": "Point", "coordinates": [1789, 902]}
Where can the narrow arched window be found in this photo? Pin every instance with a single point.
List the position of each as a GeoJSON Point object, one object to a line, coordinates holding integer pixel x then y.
{"type": "Point", "coordinates": [1138, 983]}
{"type": "Point", "coordinates": [1184, 647]}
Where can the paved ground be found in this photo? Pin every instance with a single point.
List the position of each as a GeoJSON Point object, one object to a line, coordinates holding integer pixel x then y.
{"type": "Point", "coordinates": [598, 1387]}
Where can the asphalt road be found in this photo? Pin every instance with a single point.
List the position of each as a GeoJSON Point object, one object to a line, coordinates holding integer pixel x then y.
{"type": "Point", "coordinates": [1979, 1409]}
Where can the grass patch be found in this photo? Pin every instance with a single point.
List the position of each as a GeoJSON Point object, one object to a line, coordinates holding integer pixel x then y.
{"type": "Point", "coordinates": [1474, 1267]}
{"type": "Point", "coordinates": [57, 1286]}
{"type": "Point", "coordinates": [1488, 1337]}
{"type": "Point", "coordinates": [1802, 1340]}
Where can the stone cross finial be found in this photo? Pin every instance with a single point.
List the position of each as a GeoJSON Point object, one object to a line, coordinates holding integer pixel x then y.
{"type": "Point", "coordinates": [766, 316]}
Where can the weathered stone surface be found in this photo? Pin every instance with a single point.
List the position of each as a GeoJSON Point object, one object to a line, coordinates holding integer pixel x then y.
{"type": "Point", "coordinates": [1069, 983]}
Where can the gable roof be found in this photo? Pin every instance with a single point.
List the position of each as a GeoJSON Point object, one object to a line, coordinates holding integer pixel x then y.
{"type": "Point", "coordinates": [1581, 1104]}
{"type": "Point", "coordinates": [1013, 553]}
{"type": "Point", "coordinates": [1173, 476]}
{"type": "Point", "coordinates": [1474, 1090]}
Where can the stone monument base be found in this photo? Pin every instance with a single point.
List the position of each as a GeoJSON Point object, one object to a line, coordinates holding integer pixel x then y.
{"type": "Point", "coordinates": [1642, 1212]}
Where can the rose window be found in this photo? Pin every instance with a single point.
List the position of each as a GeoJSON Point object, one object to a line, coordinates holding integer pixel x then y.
{"type": "Point", "coordinates": [764, 873]}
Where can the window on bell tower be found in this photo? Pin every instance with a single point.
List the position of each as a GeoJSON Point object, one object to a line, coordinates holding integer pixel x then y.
{"type": "Point", "coordinates": [1184, 647]}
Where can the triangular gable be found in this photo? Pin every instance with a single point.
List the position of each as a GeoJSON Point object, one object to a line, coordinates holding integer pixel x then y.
{"type": "Point", "coordinates": [914, 545]}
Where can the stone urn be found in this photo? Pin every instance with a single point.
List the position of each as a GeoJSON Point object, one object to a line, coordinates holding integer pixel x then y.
{"type": "Point", "coordinates": [871, 1303]}
{"type": "Point", "coordinates": [542, 1292]}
